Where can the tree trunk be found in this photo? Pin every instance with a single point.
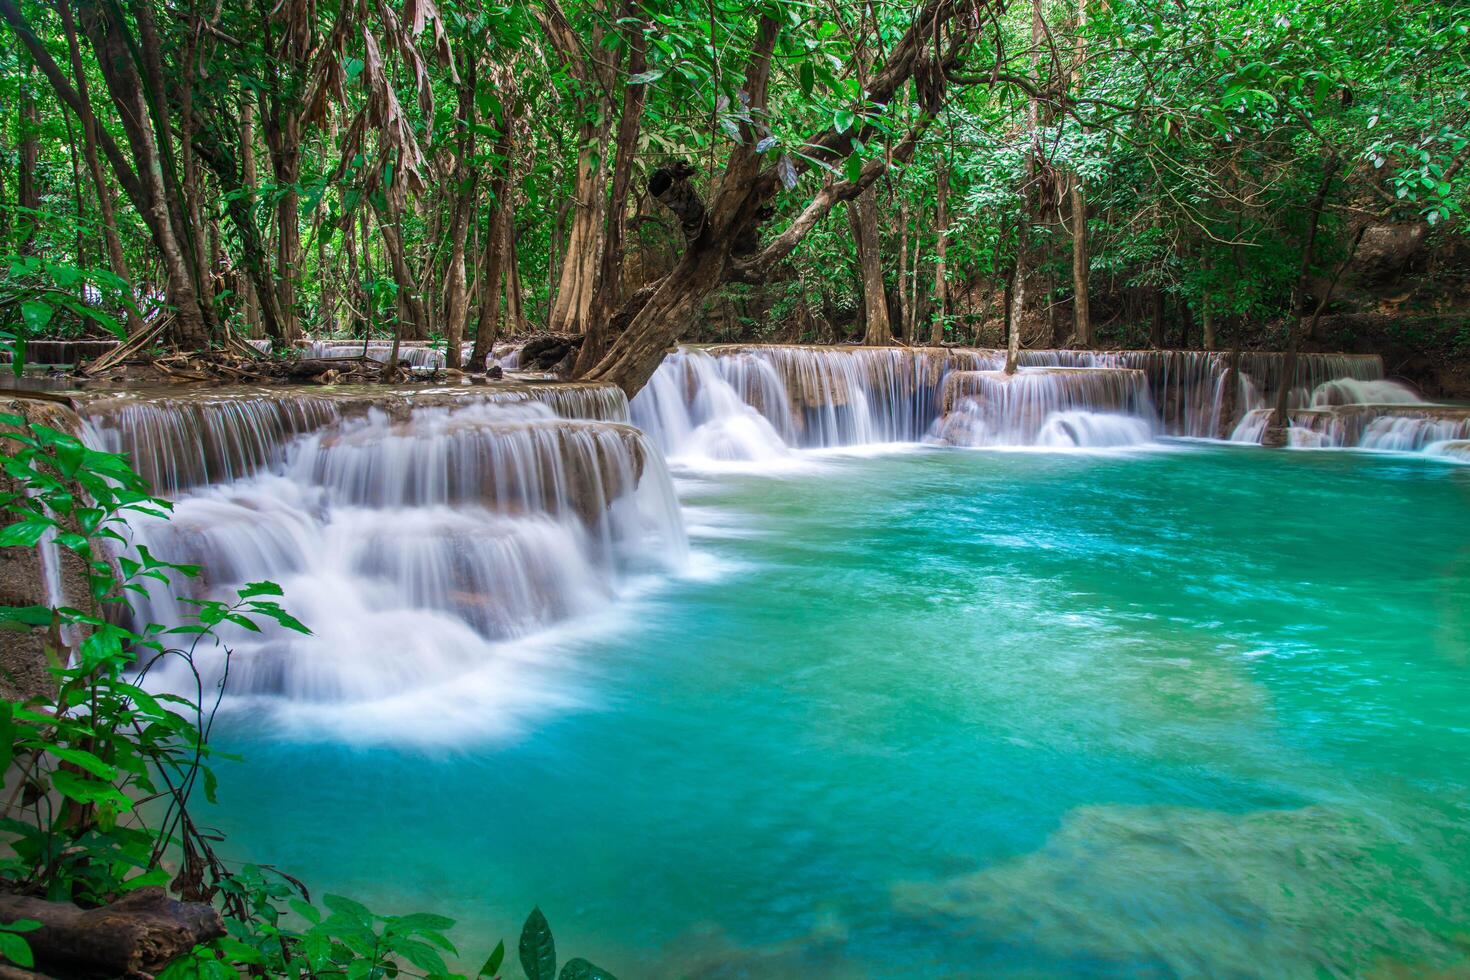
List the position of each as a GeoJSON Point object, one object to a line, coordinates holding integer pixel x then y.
{"type": "Point", "coordinates": [1081, 257]}
{"type": "Point", "coordinates": [569, 312]}
{"type": "Point", "coordinates": [159, 207]}
{"type": "Point", "coordinates": [28, 186]}
{"type": "Point", "coordinates": [1017, 310]}
{"type": "Point", "coordinates": [1156, 318]}
{"type": "Point", "coordinates": [412, 317]}
{"type": "Point", "coordinates": [466, 182]}
{"type": "Point", "coordinates": [607, 291]}
{"type": "Point", "coordinates": [862, 212]}
{"type": "Point", "coordinates": [1081, 264]}
{"type": "Point", "coordinates": [515, 309]}
{"type": "Point", "coordinates": [905, 324]}
{"type": "Point", "coordinates": [941, 247]}
{"type": "Point", "coordinates": [251, 180]}
{"type": "Point", "coordinates": [493, 253]}
{"type": "Point", "coordinates": [1276, 435]}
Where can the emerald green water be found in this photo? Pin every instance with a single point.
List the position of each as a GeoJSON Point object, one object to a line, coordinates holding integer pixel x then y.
{"type": "Point", "coordinates": [953, 713]}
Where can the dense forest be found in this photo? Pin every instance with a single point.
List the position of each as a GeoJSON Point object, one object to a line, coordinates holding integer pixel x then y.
{"type": "Point", "coordinates": [779, 486]}
{"type": "Point", "coordinates": [1207, 175]}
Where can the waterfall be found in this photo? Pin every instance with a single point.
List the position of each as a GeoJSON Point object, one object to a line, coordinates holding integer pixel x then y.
{"type": "Point", "coordinates": [734, 402]}
{"type": "Point", "coordinates": [1352, 391]}
{"type": "Point", "coordinates": [1058, 407]}
{"type": "Point", "coordinates": [708, 403]}
{"type": "Point", "coordinates": [1404, 427]}
{"type": "Point", "coordinates": [181, 441]}
{"type": "Point", "coordinates": [414, 532]}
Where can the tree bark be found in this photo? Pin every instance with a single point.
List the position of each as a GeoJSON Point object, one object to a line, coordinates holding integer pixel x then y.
{"type": "Point", "coordinates": [116, 258]}
{"type": "Point", "coordinates": [160, 207]}
{"type": "Point", "coordinates": [1276, 435]}
{"type": "Point", "coordinates": [135, 936]}
{"type": "Point", "coordinates": [607, 290]}
{"type": "Point", "coordinates": [466, 182]}
{"type": "Point", "coordinates": [862, 212]}
{"type": "Point", "coordinates": [28, 185]}
{"type": "Point", "coordinates": [1081, 264]}
{"type": "Point", "coordinates": [493, 252]}
{"type": "Point", "coordinates": [941, 247]}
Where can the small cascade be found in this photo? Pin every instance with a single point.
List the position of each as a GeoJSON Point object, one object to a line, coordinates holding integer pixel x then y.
{"type": "Point", "coordinates": [1057, 407]}
{"type": "Point", "coordinates": [734, 402]}
{"type": "Point", "coordinates": [692, 411]}
{"type": "Point", "coordinates": [1267, 369]}
{"type": "Point", "coordinates": [415, 354]}
{"type": "Point", "coordinates": [179, 442]}
{"type": "Point", "coordinates": [1406, 427]}
{"type": "Point", "coordinates": [61, 351]}
{"type": "Point", "coordinates": [185, 442]}
{"type": "Point", "coordinates": [1352, 391]}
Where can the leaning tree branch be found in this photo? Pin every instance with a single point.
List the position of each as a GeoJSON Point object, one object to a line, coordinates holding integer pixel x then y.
{"type": "Point", "coordinates": [831, 194]}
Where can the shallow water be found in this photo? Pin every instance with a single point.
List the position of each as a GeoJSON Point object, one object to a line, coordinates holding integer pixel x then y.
{"type": "Point", "coordinates": [1195, 711]}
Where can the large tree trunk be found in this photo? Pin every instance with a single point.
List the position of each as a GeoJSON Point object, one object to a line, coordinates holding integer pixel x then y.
{"type": "Point", "coordinates": [573, 303]}
{"type": "Point", "coordinates": [515, 308]}
{"type": "Point", "coordinates": [160, 208]}
{"type": "Point", "coordinates": [607, 292]}
{"type": "Point", "coordinates": [1016, 310]}
{"type": "Point", "coordinates": [905, 321]}
{"type": "Point", "coordinates": [723, 242]}
{"type": "Point", "coordinates": [412, 319]}
{"type": "Point", "coordinates": [862, 212]}
{"type": "Point", "coordinates": [146, 182]}
{"type": "Point", "coordinates": [493, 251]}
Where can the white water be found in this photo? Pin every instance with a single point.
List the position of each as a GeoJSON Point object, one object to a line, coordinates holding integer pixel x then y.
{"type": "Point", "coordinates": [413, 547]}
{"type": "Point", "coordinates": [420, 540]}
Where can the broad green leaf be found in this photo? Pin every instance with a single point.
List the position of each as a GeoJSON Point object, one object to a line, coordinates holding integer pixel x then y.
{"type": "Point", "coordinates": [580, 969]}
{"type": "Point", "coordinates": [537, 948]}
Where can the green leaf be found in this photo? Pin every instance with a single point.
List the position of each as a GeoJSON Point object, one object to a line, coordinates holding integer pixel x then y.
{"type": "Point", "coordinates": [23, 534]}
{"type": "Point", "coordinates": [36, 315]}
{"type": "Point", "coordinates": [852, 168]}
{"type": "Point", "coordinates": [253, 589]}
{"type": "Point", "coordinates": [807, 75]}
{"type": "Point", "coordinates": [85, 760]}
{"type": "Point", "coordinates": [842, 120]}
{"type": "Point", "coordinates": [347, 907]}
{"type": "Point", "coordinates": [70, 785]}
{"type": "Point", "coordinates": [493, 963]}
{"type": "Point", "coordinates": [16, 950]}
{"type": "Point", "coordinates": [580, 969]}
{"type": "Point", "coordinates": [537, 948]}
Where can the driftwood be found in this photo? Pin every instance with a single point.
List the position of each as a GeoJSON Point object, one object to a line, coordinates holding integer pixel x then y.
{"type": "Point", "coordinates": [133, 937]}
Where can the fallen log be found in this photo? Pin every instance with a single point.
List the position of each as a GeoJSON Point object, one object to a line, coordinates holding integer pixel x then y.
{"type": "Point", "coordinates": [133, 937]}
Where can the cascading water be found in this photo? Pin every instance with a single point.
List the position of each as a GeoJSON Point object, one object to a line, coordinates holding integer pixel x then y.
{"type": "Point", "coordinates": [753, 403]}
{"type": "Point", "coordinates": [413, 539]}
{"type": "Point", "coordinates": [1055, 407]}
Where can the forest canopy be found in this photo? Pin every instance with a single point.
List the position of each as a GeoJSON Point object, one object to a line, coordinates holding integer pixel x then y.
{"type": "Point", "coordinates": [632, 173]}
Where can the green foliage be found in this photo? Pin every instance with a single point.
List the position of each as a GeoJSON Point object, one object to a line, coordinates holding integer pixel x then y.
{"type": "Point", "coordinates": [103, 774]}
